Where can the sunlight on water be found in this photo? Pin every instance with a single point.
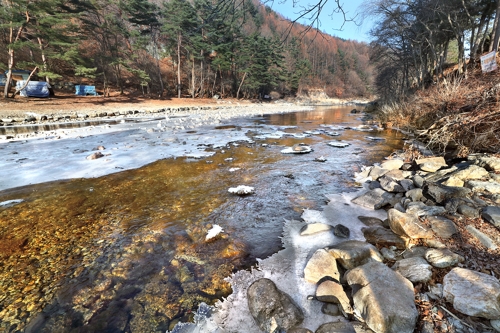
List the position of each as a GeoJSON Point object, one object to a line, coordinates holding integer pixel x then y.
{"type": "Point", "coordinates": [127, 252]}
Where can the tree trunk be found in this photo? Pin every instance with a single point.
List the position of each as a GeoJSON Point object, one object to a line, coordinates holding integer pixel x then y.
{"type": "Point", "coordinates": [241, 83]}
{"type": "Point", "coordinates": [496, 29]}
{"type": "Point", "coordinates": [44, 59]}
{"type": "Point", "coordinates": [193, 80]}
{"type": "Point", "coordinates": [179, 38]}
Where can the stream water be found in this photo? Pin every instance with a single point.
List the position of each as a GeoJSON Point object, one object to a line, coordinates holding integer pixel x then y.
{"type": "Point", "coordinates": [127, 252]}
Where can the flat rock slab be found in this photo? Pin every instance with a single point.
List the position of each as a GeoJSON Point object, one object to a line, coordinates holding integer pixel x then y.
{"type": "Point", "coordinates": [421, 209]}
{"type": "Point", "coordinates": [486, 241]}
{"type": "Point", "coordinates": [380, 236]}
{"type": "Point", "coordinates": [383, 298]}
{"type": "Point", "coordinates": [442, 226]}
{"type": "Point", "coordinates": [492, 215]}
{"type": "Point", "coordinates": [483, 187]}
{"type": "Point", "coordinates": [473, 293]}
{"type": "Point", "coordinates": [415, 269]}
{"type": "Point", "coordinates": [407, 225]}
{"type": "Point", "coordinates": [393, 164]}
{"type": "Point", "coordinates": [272, 309]}
{"type": "Point", "coordinates": [322, 264]}
{"type": "Point", "coordinates": [442, 258]}
{"type": "Point", "coordinates": [490, 163]}
{"type": "Point", "coordinates": [314, 228]}
{"type": "Point", "coordinates": [354, 253]}
{"type": "Point", "coordinates": [374, 199]}
{"type": "Point", "coordinates": [370, 221]}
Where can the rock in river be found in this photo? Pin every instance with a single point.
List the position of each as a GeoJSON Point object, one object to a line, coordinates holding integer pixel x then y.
{"type": "Point", "coordinates": [273, 310]}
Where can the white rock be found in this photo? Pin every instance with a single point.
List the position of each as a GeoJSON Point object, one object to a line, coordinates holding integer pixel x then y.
{"type": "Point", "coordinates": [338, 144]}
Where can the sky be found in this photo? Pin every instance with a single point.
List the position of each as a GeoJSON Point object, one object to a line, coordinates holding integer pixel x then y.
{"type": "Point", "coordinates": [330, 24]}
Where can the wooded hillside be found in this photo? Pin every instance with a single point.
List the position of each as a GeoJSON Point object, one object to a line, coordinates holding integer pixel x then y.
{"type": "Point", "coordinates": [198, 48]}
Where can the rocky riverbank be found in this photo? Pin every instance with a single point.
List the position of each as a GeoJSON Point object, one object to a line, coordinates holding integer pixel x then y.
{"type": "Point", "coordinates": [431, 266]}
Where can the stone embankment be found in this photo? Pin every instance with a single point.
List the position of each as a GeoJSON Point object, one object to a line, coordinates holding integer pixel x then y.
{"type": "Point", "coordinates": [431, 266]}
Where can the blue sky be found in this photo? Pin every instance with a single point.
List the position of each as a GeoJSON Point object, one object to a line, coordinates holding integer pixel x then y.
{"type": "Point", "coordinates": [329, 24]}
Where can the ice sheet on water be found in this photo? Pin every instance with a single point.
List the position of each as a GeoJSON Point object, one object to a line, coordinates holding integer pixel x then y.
{"type": "Point", "coordinates": [10, 203]}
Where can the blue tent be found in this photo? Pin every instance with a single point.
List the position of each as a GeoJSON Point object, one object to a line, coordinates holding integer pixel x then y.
{"type": "Point", "coordinates": [33, 89]}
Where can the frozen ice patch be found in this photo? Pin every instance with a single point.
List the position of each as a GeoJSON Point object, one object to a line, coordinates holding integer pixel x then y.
{"type": "Point", "coordinates": [241, 190]}
{"type": "Point", "coordinates": [216, 229]}
{"type": "Point", "coordinates": [10, 203]}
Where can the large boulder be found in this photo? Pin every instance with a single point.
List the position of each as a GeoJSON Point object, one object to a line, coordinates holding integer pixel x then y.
{"type": "Point", "coordinates": [354, 253]}
{"type": "Point", "coordinates": [322, 264]}
{"type": "Point", "coordinates": [273, 310]}
{"type": "Point", "coordinates": [473, 293]}
{"type": "Point", "coordinates": [407, 225]}
{"type": "Point", "coordinates": [383, 298]}
{"type": "Point", "coordinates": [441, 193]}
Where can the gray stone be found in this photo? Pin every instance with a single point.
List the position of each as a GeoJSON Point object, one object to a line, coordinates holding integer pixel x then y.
{"type": "Point", "coordinates": [390, 185]}
{"type": "Point", "coordinates": [454, 181]}
{"type": "Point", "coordinates": [374, 184]}
{"type": "Point", "coordinates": [415, 194]}
{"type": "Point", "coordinates": [353, 253]}
{"type": "Point", "coordinates": [272, 309]}
{"type": "Point", "coordinates": [442, 226]}
{"type": "Point", "coordinates": [495, 323]}
{"type": "Point", "coordinates": [322, 264]}
{"type": "Point", "coordinates": [482, 238]}
{"type": "Point", "coordinates": [333, 292]}
{"type": "Point", "coordinates": [473, 293]}
{"type": "Point", "coordinates": [468, 211]}
{"type": "Point", "coordinates": [440, 193]}
{"type": "Point", "coordinates": [416, 251]}
{"type": "Point", "coordinates": [483, 187]}
{"type": "Point", "coordinates": [388, 254]}
{"type": "Point", "coordinates": [380, 236]}
{"type": "Point", "coordinates": [427, 327]}
{"type": "Point", "coordinates": [314, 228]}
{"type": "Point", "coordinates": [407, 184]}
{"type": "Point", "coordinates": [392, 164]}
{"type": "Point", "coordinates": [383, 298]}
{"type": "Point", "coordinates": [415, 269]}
{"type": "Point", "coordinates": [341, 231]}
{"type": "Point", "coordinates": [331, 309]}
{"type": "Point", "coordinates": [373, 199]}
{"type": "Point", "coordinates": [336, 327]}
{"type": "Point", "coordinates": [400, 207]}
{"type": "Point", "coordinates": [492, 215]}
{"type": "Point", "coordinates": [434, 243]}
{"type": "Point", "coordinates": [418, 181]}
{"type": "Point", "coordinates": [421, 209]}
{"type": "Point", "coordinates": [407, 225]}
{"type": "Point", "coordinates": [442, 258]}
{"type": "Point", "coordinates": [370, 221]}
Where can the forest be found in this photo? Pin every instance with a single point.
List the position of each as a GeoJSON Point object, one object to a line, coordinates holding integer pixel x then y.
{"type": "Point", "coordinates": [178, 48]}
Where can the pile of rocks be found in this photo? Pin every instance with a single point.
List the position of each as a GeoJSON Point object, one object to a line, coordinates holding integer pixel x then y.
{"type": "Point", "coordinates": [412, 273]}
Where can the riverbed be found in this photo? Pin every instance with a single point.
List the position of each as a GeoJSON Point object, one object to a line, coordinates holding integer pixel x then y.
{"type": "Point", "coordinates": [118, 243]}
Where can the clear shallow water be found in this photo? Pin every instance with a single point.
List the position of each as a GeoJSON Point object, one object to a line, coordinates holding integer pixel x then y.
{"type": "Point", "coordinates": [127, 252]}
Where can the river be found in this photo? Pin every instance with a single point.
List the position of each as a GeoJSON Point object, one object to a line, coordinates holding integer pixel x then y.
{"type": "Point", "coordinates": [126, 252]}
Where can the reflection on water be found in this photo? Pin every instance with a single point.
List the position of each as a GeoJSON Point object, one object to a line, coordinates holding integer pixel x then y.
{"type": "Point", "coordinates": [127, 252]}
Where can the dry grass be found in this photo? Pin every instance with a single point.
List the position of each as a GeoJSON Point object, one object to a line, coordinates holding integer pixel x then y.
{"type": "Point", "coordinates": [457, 114]}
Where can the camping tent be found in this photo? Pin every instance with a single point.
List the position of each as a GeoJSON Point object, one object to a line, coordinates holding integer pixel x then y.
{"type": "Point", "coordinates": [33, 89]}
